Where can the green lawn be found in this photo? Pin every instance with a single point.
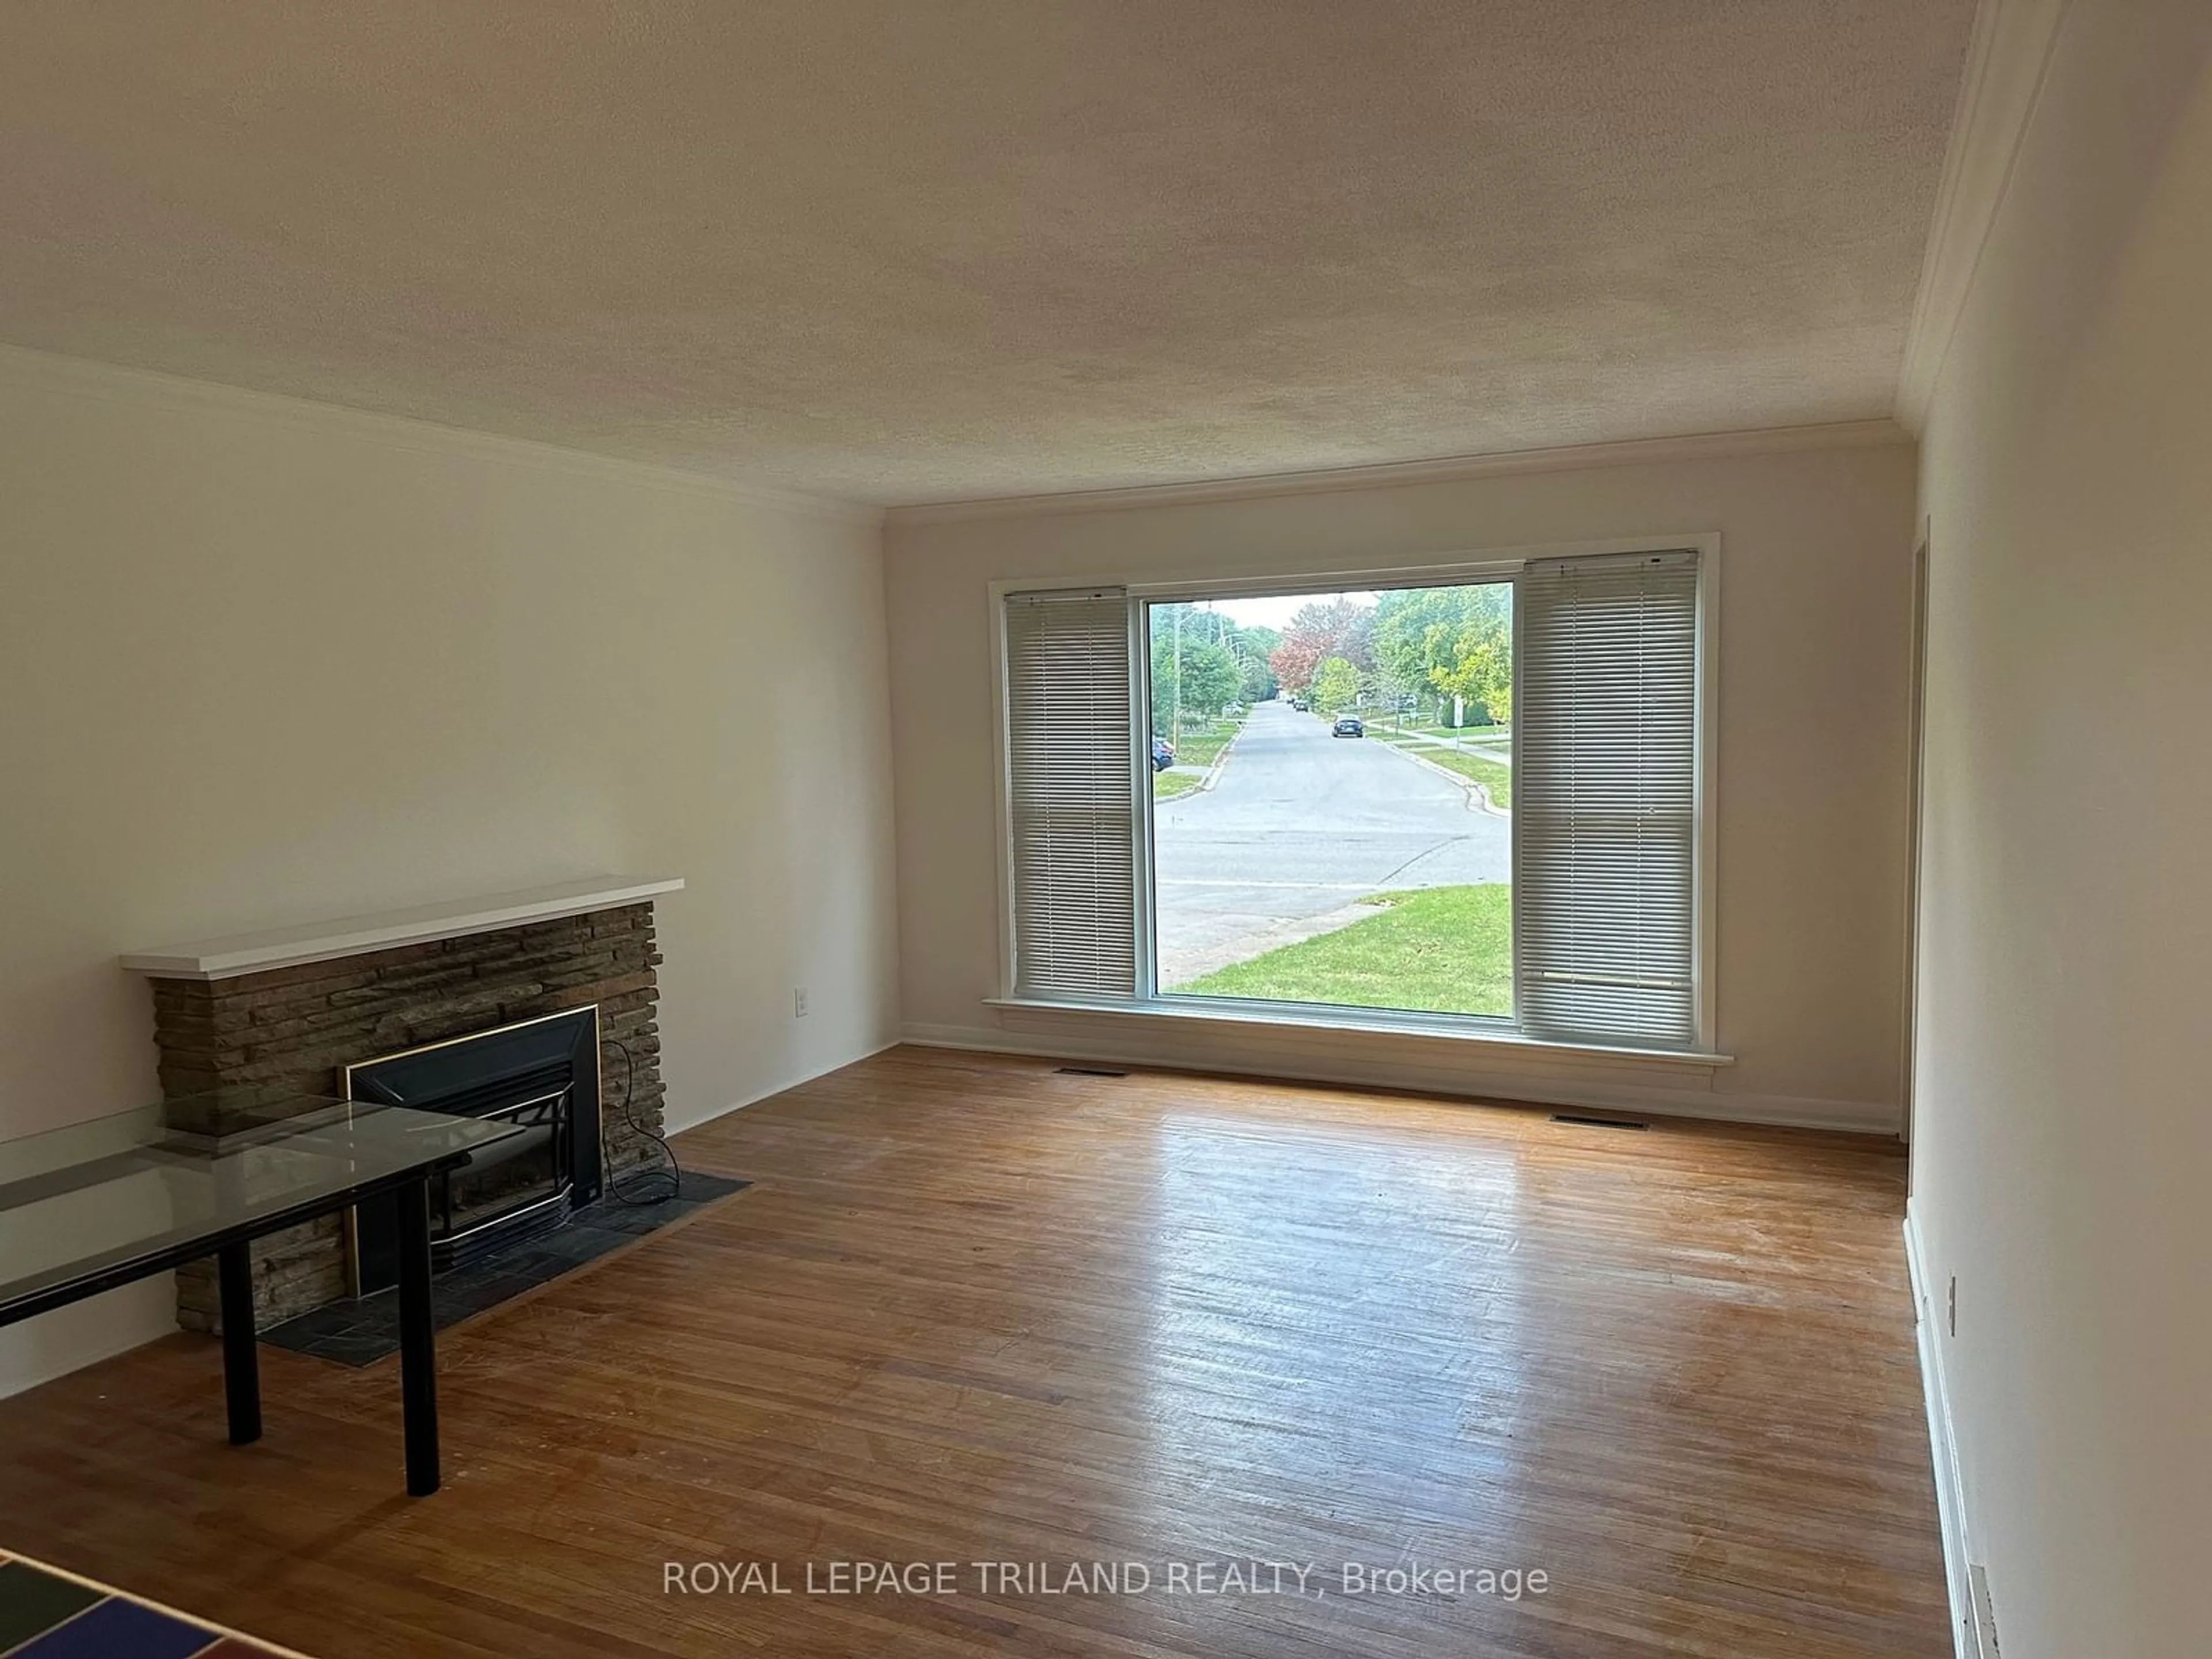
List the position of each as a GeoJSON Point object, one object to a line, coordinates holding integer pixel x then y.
{"type": "Point", "coordinates": [1441, 950]}
{"type": "Point", "coordinates": [1200, 745]}
{"type": "Point", "coordinates": [1203, 740]}
{"type": "Point", "coordinates": [1494, 776]}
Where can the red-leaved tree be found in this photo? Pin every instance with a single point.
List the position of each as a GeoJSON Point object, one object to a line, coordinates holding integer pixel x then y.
{"type": "Point", "coordinates": [1324, 628]}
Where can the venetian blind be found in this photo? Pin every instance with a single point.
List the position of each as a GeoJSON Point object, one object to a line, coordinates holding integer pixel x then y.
{"type": "Point", "coordinates": [1074, 797]}
{"type": "Point", "coordinates": [1605, 800]}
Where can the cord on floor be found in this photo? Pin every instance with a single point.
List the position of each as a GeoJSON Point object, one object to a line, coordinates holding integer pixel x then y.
{"type": "Point", "coordinates": [640, 1188]}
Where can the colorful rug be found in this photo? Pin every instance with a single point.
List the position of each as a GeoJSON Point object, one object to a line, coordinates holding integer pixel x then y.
{"type": "Point", "coordinates": [47, 1613]}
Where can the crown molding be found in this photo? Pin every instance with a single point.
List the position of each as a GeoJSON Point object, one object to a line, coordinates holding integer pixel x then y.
{"type": "Point", "coordinates": [84, 376]}
{"type": "Point", "coordinates": [2008, 61]}
{"type": "Point", "coordinates": [1633, 452]}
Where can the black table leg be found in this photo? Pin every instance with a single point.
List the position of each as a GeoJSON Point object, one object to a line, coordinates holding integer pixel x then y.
{"type": "Point", "coordinates": [418, 1359]}
{"type": "Point", "coordinates": [241, 1361]}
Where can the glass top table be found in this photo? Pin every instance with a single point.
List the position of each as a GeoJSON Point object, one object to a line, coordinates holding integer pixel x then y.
{"type": "Point", "coordinates": [95, 1205]}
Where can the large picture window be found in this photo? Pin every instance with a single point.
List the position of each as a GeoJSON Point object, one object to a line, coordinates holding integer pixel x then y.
{"type": "Point", "coordinates": [1475, 801]}
{"type": "Point", "coordinates": [1335, 829]}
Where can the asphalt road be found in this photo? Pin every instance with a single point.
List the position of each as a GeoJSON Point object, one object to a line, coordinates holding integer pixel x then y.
{"type": "Point", "coordinates": [1300, 826]}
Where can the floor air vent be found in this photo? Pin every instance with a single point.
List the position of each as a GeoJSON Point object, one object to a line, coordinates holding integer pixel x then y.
{"type": "Point", "coordinates": [1598, 1123]}
{"type": "Point", "coordinates": [1087, 1071]}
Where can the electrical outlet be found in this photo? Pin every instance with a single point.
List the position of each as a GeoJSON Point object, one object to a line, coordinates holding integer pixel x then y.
{"type": "Point", "coordinates": [1951, 1313]}
{"type": "Point", "coordinates": [798, 1002]}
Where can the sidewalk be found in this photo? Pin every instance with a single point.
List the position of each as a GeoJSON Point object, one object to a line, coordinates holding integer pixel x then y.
{"type": "Point", "coordinates": [1486, 748]}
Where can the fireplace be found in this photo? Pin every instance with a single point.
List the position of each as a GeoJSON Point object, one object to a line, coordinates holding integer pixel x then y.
{"type": "Point", "coordinates": [542, 1074]}
{"type": "Point", "coordinates": [298, 1007]}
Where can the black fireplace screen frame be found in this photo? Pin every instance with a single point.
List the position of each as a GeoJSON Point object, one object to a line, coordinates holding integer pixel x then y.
{"type": "Point", "coordinates": [544, 1071]}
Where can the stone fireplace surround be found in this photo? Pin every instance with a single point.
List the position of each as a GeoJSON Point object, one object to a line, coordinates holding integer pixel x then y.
{"type": "Point", "coordinates": [290, 1009]}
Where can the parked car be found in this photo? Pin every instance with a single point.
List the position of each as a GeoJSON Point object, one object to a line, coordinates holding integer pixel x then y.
{"type": "Point", "coordinates": [1348, 726]}
{"type": "Point", "coordinates": [1163, 754]}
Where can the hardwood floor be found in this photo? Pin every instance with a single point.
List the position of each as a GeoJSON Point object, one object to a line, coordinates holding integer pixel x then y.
{"type": "Point", "coordinates": [973, 1310]}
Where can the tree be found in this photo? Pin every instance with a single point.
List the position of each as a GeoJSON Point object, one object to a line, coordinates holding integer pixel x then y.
{"type": "Point", "coordinates": [1400, 645]}
{"type": "Point", "coordinates": [1252, 647]}
{"type": "Point", "coordinates": [1335, 685]}
{"type": "Point", "coordinates": [1457, 642]}
{"type": "Point", "coordinates": [1323, 628]}
{"type": "Point", "coordinates": [1481, 669]}
{"type": "Point", "coordinates": [1194, 681]}
{"type": "Point", "coordinates": [1211, 678]}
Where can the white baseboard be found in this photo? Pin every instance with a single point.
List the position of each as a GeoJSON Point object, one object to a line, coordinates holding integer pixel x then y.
{"type": "Point", "coordinates": [1370, 1060]}
{"type": "Point", "coordinates": [1943, 1447]}
{"type": "Point", "coordinates": [712, 1112]}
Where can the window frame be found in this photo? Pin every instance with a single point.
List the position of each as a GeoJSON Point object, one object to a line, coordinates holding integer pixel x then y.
{"type": "Point", "coordinates": [1455, 568]}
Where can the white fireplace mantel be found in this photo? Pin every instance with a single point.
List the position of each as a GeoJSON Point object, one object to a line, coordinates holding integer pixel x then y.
{"type": "Point", "coordinates": [326, 941]}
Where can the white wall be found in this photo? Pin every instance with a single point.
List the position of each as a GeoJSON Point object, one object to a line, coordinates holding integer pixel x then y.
{"type": "Point", "coordinates": [264, 662]}
{"type": "Point", "coordinates": [1816, 556]}
{"type": "Point", "coordinates": [2063, 1120]}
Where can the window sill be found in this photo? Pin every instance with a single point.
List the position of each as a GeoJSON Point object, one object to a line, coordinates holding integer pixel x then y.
{"type": "Point", "coordinates": [1498, 1043]}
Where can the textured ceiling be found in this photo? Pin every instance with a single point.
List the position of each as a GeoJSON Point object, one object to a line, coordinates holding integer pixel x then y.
{"type": "Point", "coordinates": [901, 250]}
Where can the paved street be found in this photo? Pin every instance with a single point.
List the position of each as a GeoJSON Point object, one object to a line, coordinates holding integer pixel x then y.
{"type": "Point", "coordinates": [1302, 826]}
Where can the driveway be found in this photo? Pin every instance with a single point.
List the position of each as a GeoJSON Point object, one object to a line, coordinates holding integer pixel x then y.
{"type": "Point", "coordinates": [1299, 828]}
